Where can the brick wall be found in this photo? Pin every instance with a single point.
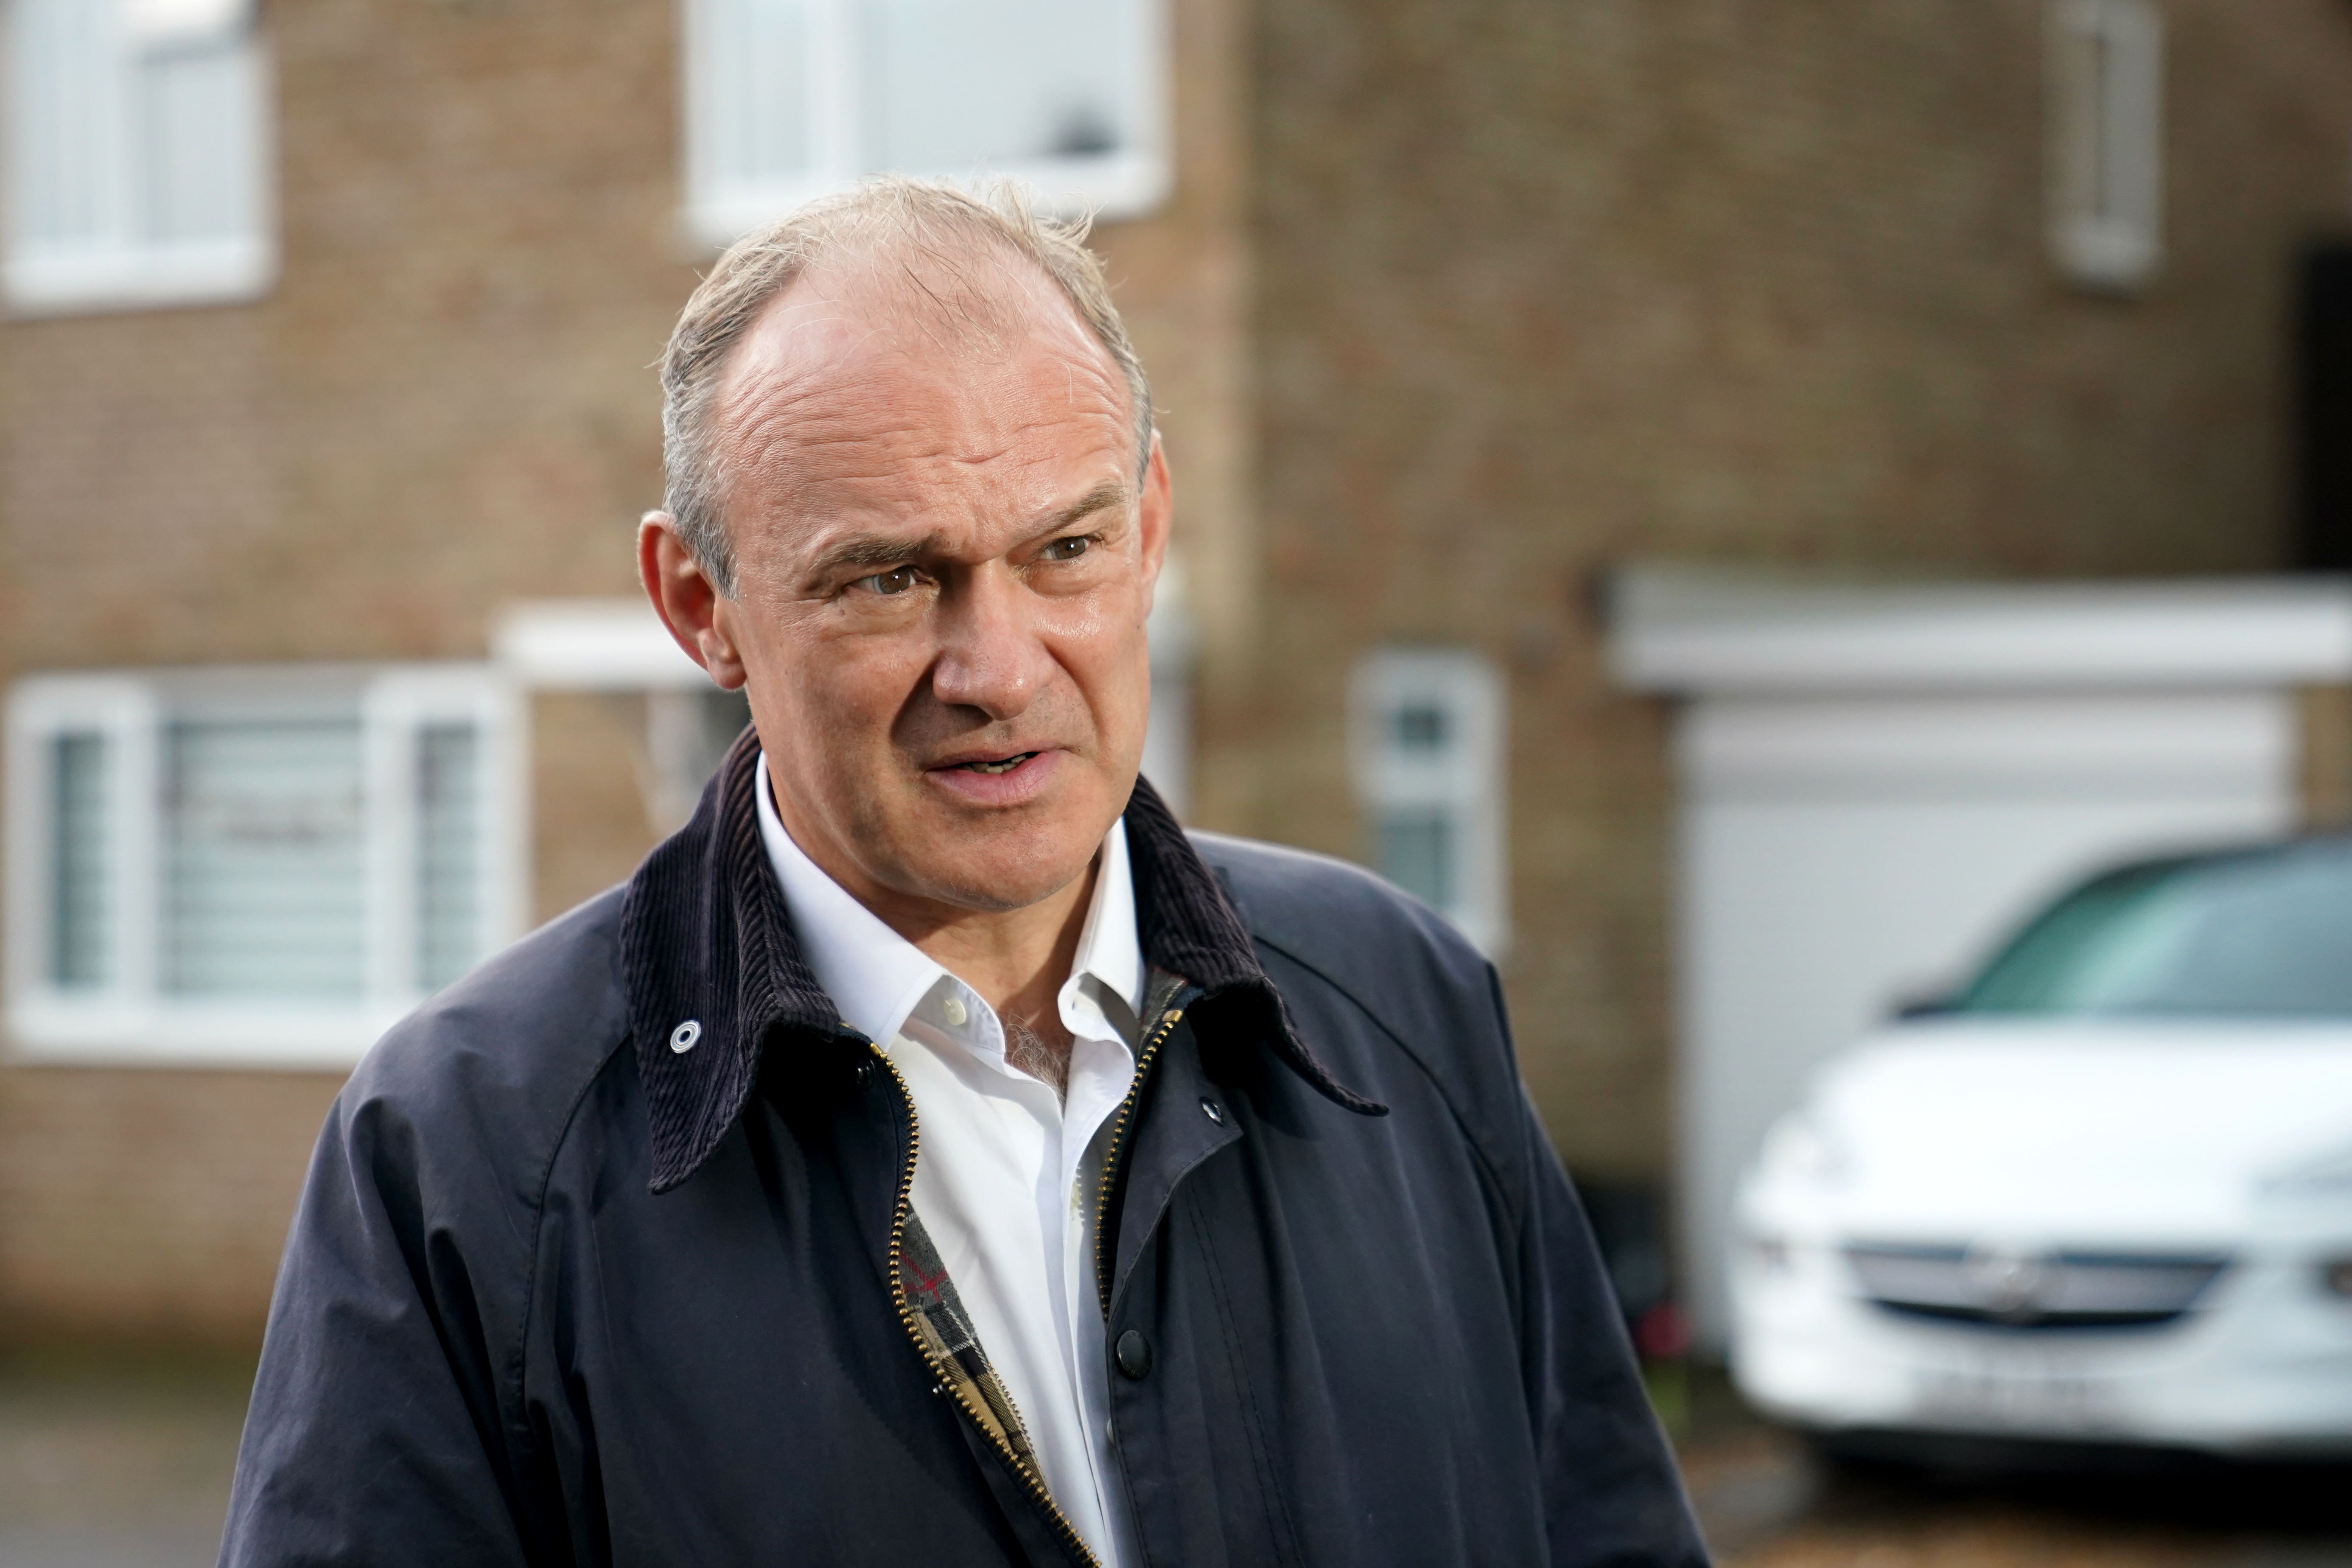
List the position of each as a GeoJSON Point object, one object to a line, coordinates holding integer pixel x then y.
{"type": "Point", "coordinates": [1546, 286]}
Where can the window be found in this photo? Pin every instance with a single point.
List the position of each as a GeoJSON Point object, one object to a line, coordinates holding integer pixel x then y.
{"type": "Point", "coordinates": [252, 866]}
{"type": "Point", "coordinates": [138, 151]}
{"type": "Point", "coordinates": [2107, 141]}
{"type": "Point", "coordinates": [1427, 726]}
{"type": "Point", "coordinates": [787, 98]}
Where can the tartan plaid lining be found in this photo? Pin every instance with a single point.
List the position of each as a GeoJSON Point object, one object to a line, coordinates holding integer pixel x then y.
{"type": "Point", "coordinates": [948, 1335]}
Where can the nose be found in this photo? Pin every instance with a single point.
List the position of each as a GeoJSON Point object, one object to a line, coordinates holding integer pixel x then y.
{"type": "Point", "coordinates": [991, 656]}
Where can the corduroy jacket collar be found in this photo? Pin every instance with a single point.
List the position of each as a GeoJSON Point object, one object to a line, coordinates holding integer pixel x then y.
{"type": "Point", "coordinates": [714, 974]}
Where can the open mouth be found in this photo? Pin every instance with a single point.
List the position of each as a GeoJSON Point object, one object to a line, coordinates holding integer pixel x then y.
{"type": "Point", "coordinates": [1000, 765]}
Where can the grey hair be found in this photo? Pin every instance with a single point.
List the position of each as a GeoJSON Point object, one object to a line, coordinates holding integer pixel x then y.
{"type": "Point", "coordinates": [879, 215]}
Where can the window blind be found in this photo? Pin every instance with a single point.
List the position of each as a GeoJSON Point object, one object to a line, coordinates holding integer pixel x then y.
{"type": "Point", "coordinates": [264, 859]}
{"type": "Point", "coordinates": [448, 853]}
{"type": "Point", "coordinates": [195, 134]}
{"type": "Point", "coordinates": [79, 902]}
{"type": "Point", "coordinates": [62, 123]}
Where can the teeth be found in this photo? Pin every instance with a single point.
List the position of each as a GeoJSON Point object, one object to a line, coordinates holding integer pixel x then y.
{"type": "Point", "coordinates": [1006, 766]}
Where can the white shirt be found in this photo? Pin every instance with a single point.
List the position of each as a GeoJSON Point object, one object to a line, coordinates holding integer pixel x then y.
{"type": "Point", "coordinates": [1005, 1181]}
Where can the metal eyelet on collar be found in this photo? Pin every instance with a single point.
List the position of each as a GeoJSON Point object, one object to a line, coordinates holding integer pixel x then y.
{"type": "Point", "coordinates": [1214, 1111]}
{"type": "Point", "coordinates": [682, 1039]}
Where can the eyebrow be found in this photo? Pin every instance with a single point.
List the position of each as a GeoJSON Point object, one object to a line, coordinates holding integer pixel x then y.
{"type": "Point", "coordinates": [876, 549]}
{"type": "Point", "coordinates": [1103, 496]}
{"type": "Point", "coordinates": [879, 550]}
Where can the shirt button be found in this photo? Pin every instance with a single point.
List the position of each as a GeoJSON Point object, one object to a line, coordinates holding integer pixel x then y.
{"type": "Point", "coordinates": [958, 1014]}
{"type": "Point", "coordinates": [1214, 1111]}
{"type": "Point", "coordinates": [1133, 1353]}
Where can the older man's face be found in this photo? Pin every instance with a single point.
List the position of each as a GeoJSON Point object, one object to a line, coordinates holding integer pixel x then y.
{"type": "Point", "coordinates": [943, 565]}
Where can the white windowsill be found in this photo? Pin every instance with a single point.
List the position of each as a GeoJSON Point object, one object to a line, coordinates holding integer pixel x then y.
{"type": "Point", "coordinates": [57, 1032]}
{"type": "Point", "coordinates": [58, 281]}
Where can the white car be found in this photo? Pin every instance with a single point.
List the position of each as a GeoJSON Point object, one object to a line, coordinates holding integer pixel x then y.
{"type": "Point", "coordinates": [2102, 1196]}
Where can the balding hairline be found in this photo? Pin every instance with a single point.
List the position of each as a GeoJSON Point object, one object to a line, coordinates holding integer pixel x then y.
{"type": "Point", "coordinates": [875, 222]}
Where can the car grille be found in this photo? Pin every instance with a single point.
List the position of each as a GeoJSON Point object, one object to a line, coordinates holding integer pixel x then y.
{"type": "Point", "coordinates": [2032, 1290]}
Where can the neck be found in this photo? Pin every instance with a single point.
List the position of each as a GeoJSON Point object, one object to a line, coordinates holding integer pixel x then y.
{"type": "Point", "coordinates": [1016, 959]}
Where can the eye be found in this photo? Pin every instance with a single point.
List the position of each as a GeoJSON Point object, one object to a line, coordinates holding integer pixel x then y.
{"type": "Point", "coordinates": [1068, 549]}
{"type": "Point", "coordinates": [897, 580]}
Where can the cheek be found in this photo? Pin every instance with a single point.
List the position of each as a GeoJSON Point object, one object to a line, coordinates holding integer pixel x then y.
{"type": "Point", "coordinates": [825, 682]}
{"type": "Point", "coordinates": [1106, 652]}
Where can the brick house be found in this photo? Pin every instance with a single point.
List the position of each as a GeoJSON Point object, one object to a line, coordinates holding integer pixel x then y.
{"type": "Point", "coordinates": [325, 418]}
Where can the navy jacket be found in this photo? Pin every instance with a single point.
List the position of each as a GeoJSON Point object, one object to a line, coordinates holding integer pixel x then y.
{"type": "Point", "coordinates": [558, 1294]}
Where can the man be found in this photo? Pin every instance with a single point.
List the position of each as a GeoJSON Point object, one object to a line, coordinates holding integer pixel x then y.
{"type": "Point", "coordinates": [933, 1153]}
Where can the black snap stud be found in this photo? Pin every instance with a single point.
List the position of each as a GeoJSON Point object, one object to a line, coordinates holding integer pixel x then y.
{"type": "Point", "coordinates": [1133, 1353]}
{"type": "Point", "coordinates": [1214, 1111]}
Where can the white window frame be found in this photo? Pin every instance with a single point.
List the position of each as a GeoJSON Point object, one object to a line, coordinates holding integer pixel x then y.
{"type": "Point", "coordinates": [1120, 184]}
{"type": "Point", "coordinates": [129, 1019]}
{"type": "Point", "coordinates": [1467, 783]}
{"type": "Point", "coordinates": [2105, 137]}
{"type": "Point", "coordinates": [118, 267]}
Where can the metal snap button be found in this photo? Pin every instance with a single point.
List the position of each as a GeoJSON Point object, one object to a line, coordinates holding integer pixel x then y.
{"type": "Point", "coordinates": [1214, 1111]}
{"type": "Point", "coordinates": [1133, 1353]}
{"type": "Point", "coordinates": [958, 1014]}
{"type": "Point", "coordinates": [682, 1039]}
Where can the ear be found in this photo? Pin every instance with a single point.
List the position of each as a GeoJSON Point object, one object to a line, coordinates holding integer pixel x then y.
{"type": "Point", "coordinates": [1156, 519]}
{"type": "Point", "coordinates": [686, 599]}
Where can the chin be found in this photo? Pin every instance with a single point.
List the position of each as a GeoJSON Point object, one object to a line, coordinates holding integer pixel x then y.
{"type": "Point", "coordinates": [1004, 866]}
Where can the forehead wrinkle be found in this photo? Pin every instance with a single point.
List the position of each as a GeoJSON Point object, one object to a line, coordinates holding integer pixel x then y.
{"type": "Point", "coordinates": [799, 414]}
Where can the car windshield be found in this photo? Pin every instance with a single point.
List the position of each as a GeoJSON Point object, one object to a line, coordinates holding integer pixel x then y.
{"type": "Point", "coordinates": [2262, 932]}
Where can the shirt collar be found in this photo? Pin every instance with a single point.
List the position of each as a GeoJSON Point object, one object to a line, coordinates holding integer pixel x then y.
{"type": "Point", "coordinates": [717, 984]}
{"type": "Point", "coordinates": [877, 978]}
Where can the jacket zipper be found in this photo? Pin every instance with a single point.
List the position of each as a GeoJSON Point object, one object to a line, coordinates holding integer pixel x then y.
{"type": "Point", "coordinates": [1117, 1149]}
{"type": "Point", "coordinates": [1033, 1483]}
